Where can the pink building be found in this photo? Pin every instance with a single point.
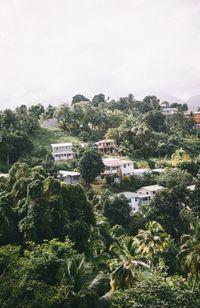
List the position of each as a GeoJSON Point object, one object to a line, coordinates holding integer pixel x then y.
{"type": "Point", "coordinates": [106, 145]}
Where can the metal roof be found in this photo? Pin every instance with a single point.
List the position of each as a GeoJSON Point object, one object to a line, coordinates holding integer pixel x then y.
{"type": "Point", "coordinates": [57, 145]}
{"type": "Point", "coordinates": [114, 162]}
{"type": "Point", "coordinates": [65, 173]}
{"type": "Point", "coordinates": [151, 187]}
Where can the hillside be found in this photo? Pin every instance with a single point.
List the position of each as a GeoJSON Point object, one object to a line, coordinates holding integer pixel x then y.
{"type": "Point", "coordinates": [45, 136]}
{"type": "Point", "coordinates": [194, 102]}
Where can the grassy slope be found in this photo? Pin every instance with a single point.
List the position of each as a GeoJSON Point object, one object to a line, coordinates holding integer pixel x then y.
{"type": "Point", "coordinates": [45, 136]}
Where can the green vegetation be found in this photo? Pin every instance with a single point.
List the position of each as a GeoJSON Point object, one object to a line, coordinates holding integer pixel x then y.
{"type": "Point", "coordinates": [82, 246]}
{"type": "Point", "coordinates": [43, 137]}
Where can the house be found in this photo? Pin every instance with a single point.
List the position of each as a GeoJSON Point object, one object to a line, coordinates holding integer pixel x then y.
{"type": "Point", "coordinates": [150, 190]}
{"type": "Point", "coordinates": [135, 200]}
{"type": "Point", "coordinates": [83, 145]}
{"type": "Point", "coordinates": [69, 177]}
{"type": "Point", "coordinates": [191, 187]}
{"type": "Point", "coordinates": [169, 111]}
{"type": "Point", "coordinates": [106, 146]}
{"type": "Point", "coordinates": [62, 151]}
{"type": "Point", "coordinates": [4, 175]}
{"type": "Point", "coordinates": [117, 168]}
{"type": "Point", "coordinates": [197, 117]}
{"type": "Point", "coordinates": [142, 171]}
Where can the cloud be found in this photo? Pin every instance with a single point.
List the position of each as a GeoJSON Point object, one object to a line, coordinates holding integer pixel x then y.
{"type": "Point", "coordinates": [53, 49]}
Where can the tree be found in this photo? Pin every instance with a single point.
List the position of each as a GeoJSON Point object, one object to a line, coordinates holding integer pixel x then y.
{"type": "Point", "coordinates": [190, 252]}
{"type": "Point", "coordinates": [8, 120]}
{"type": "Point", "coordinates": [195, 204]}
{"type": "Point", "coordinates": [124, 263]}
{"type": "Point", "coordinates": [156, 120]}
{"type": "Point", "coordinates": [37, 110]}
{"type": "Point", "coordinates": [79, 215]}
{"type": "Point", "coordinates": [79, 98]}
{"type": "Point", "coordinates": [180, 156]}
{"type": "Point", "coordinates": [117, 209]}
{"type": "Point", "coordinates": [124, 276]}
{"type": "Point", "coordinates": [180, 107]}
{"type": "Point", "coordinates": [166, 208]}
{"type": "Point", "coordinates": [49, 112]}
{"type": "Point", "coordinates": [174, 177]}
{"type": "Point", "coordinates": [152, 241]}
{"type": "Point", "coordinates": [141, 140]}
{"type": "Point", "coordinates": [91, 165]}
{"type": "Point", "coordinates": [14, 145]}
{"type": "Point", "coordinates": [97, 99]}
{"type": "Point", "coordinates": [8, 219]}
{"type": "Point", "coordinates": [152, 101]}
{"type": "Point", "coordinates": [33, 219]}
{"type": "Point", "coordinates": [64, 116]}
{"type": "Point", "coordinates": [191, 167]}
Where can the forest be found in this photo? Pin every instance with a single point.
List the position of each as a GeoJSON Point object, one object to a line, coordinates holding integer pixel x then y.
{"type": "Point", "coordinates": [81, 246]}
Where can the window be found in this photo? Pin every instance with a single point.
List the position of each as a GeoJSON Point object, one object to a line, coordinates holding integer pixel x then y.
{"type": "Point", "coordinates": [124, 166]}
{"type": "Point", "coordinates": [136, 199]}
{"type": "Point", "coordinates": [154, 192]}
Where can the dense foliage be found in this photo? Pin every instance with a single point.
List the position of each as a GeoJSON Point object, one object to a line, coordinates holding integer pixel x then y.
{"type": "Point", "coordinates": [81, 245]}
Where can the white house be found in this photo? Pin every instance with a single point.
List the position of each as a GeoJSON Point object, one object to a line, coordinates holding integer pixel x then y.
{"type": "Point", "coordinates": [62, 151]}
{"type": "Point", "coordinates": [150, 190]}
{"type": "Point", "coordinates": [141, 171]}
{"type": "Point", "coordinates": [169, 111]}
{"type": "Point", "coordinates": [118, 168]}
{"type": "Point", "coordinates": [69, 177]}
{"type": "Point", "coordinates": [4, 175]}
{"type": "Point", "coordinates": [135, 200]}
{"type": "Point", "coordinates": [191, 187]}
{"type": "Point", "coordinates": [83, 145]}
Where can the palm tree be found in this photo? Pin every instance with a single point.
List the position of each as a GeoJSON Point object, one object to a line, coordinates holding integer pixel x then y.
{"type": "Point", "coordinates": [123, 148]}
{"type": "Point", "coordinates": [80, 274]}
{"type": "Point", "coordinates": [152, 241]}
{"type": "Point", "coordinates": [190, 252]}
{"type": "Point", "coordinates": [124, 265]}
{"type": "Point", "coordinates": [99, 238]}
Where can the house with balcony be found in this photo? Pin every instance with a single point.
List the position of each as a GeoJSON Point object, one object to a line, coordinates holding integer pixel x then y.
{"type": "Point", "coordinates": [151, 190]}
{"type": "Point", "coordinates": [135, 200]}
{"type": "Point", "coordinates": [117, 168]}
{"type": "Point", "coordinates": [106, 146]}
{"type": "Point", "coordinates": [62, 151]}
{"type": "Point", "coordinates": [69, 177]}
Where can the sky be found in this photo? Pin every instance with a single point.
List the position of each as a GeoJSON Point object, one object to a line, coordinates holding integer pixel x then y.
{"type": "Point", "coordinates": [51, 50]}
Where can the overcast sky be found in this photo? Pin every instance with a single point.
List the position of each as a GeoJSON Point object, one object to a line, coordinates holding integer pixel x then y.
{"type": "Point", "coordinates": [51, 50]}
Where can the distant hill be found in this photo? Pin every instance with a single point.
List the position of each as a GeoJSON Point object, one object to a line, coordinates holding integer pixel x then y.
{"type": "Point", "coordinates": [194, 102]}
{"type": "Point", "coordinates": [169, 98]}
